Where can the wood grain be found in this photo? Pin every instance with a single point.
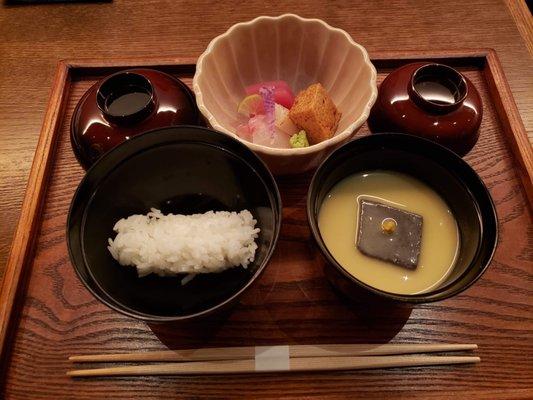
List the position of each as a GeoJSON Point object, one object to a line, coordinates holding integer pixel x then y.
{"type": "Point", "coordinates": [34, 38]}
{"type": "Point", "coordinates": [291, 304]}
{"type": "Point", "coordinates": [22, 246]}
{"type": "Point", "coordinates": [523, 19]}
{"type": "Point", "coordinates": [517, 138]}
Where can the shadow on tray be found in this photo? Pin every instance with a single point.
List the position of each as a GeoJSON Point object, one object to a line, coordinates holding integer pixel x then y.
{"type": "Point", "coordinates": [324, 320]}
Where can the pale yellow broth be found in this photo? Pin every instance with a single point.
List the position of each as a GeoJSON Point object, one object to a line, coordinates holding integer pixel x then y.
{"type": "Point", "coordinates": [337, 221]}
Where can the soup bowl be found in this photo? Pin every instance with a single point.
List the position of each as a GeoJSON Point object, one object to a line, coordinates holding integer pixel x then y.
{"type": "Point", "coordinates": [179, 170]}
{"type": "Point", "coordinates": [439, 168]}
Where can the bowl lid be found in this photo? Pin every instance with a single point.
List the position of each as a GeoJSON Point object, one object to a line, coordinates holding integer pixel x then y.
{"type": "Point", "coordinates": [429, 100]}
{"type": "Point", "coordinates": [125, 104]}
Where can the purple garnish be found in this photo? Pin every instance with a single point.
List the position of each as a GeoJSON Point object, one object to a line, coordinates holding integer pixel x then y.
{"type": "Point", "coordinates": [267, 93]}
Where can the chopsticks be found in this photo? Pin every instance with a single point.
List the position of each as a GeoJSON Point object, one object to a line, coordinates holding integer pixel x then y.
{"type": "Point", "coordinates": [274, 359]}
{"type": "Point", "coordinates": [296, 364]}
{"type": "Point", "coordinates": [239, 353]}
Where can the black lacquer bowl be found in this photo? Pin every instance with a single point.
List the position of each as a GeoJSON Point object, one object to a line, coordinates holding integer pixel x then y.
{"type": "Point", "coordinates": [179, 170]}
{"type": "Point", "coordinates": [444, 171]}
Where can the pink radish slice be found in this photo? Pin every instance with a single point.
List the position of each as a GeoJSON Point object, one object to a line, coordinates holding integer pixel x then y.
{"type": "Point", "coordinates": [282, 92]}
{"type": "Point", "coordinates": [280, 140]}
{"type": "Point", "coordinates": [262, 135]}
{"type": "Point", "coordinates": [243, 131]}
{"type": "Point", "coordinates": [259, 131]}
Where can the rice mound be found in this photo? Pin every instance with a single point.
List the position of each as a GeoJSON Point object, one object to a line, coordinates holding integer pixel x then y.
{"type": "Point", "coordinates": [193, 244]}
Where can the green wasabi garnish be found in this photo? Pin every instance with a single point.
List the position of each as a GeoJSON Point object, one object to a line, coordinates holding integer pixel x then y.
{"type": "Point", "coordinates": [299, 140]}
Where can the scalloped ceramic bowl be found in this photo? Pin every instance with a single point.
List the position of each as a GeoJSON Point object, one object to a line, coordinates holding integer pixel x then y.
{"type": "Point", "coordinates": [299, 51]}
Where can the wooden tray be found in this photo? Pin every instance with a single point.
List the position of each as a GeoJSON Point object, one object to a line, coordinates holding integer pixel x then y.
{"type": "Point", "coordinates": [46, 314]}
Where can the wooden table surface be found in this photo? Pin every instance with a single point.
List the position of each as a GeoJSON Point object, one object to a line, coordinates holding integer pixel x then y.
{"type": "Point", "coordinates": [33, 38]}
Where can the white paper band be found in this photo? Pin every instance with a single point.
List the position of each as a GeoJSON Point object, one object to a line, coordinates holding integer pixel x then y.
{"type": "Point", "coordinates": [272, 358]}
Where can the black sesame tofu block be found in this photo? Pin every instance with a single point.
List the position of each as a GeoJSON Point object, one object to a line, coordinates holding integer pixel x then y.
{"type": "Point", "coordinates": [389, 234]}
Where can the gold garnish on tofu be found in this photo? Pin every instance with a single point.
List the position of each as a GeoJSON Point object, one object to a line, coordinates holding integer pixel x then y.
{"type": "Point", "coordinates": [388, 225]}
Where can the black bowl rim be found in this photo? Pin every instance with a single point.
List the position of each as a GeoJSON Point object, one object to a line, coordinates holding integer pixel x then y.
{"type": "Point", "coordinates": [428, 297]}
{"type": "Point", "coordinates": [112, 303]}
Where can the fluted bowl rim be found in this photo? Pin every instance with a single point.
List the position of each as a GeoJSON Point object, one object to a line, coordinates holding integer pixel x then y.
{"type": "Point", "coordinates": [337, 139]}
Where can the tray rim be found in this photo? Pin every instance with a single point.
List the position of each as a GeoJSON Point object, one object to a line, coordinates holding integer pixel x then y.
{"type": "Point", "coordinates": [22, 245]}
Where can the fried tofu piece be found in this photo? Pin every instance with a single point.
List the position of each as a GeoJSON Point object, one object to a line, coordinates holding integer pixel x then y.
{"type": "Point", "coordinates": [315, 112]}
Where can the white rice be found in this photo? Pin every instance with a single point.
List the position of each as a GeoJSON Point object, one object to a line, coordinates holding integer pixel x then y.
{"type": "Point", "coordinates": [193, 244]}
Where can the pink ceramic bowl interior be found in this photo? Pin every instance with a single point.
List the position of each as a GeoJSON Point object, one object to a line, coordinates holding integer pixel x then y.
{"type": "Point", "coordinates": [299, 51]}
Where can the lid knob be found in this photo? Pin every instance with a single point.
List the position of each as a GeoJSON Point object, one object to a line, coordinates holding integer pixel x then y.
{"type": "Point", "coordinates": [437, 88]}
{"type": "Point", "coordinates": [126, 98]}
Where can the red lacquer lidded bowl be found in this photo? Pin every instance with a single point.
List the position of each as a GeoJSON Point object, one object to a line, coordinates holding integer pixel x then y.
{"type": "Point", "coordinates": [432, 101]}
{"type": "Point", "coordinates": [126, 104]}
